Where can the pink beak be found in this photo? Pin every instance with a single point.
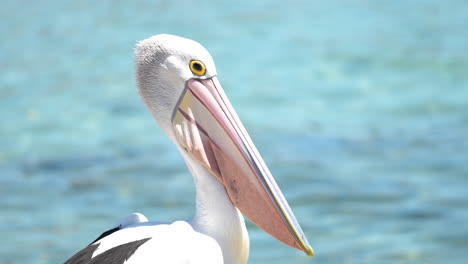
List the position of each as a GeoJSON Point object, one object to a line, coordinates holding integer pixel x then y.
{"type": "Point", "coordinates": [207, 126]}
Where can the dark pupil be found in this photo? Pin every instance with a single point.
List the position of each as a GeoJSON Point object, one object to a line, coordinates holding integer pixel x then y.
{"type": "Point", "coordinates": [197, 66]}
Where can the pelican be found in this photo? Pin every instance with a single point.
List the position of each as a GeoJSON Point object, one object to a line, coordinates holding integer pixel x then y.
{"type": "Point", "coordinates": [177, 81]}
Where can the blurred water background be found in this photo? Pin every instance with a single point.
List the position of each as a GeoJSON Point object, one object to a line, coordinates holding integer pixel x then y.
{"type": "Point", "coordinates": [360, 109]}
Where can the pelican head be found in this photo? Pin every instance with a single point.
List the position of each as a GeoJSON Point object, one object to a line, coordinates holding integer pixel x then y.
{"type": "Point", "coordinates": [163, 69]}
{"type": "Point", "coordinates": [177, 81]}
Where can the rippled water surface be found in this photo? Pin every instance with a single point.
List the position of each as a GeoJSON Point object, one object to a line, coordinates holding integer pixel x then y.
{"type": "Point", "coordinates": [360, 109]}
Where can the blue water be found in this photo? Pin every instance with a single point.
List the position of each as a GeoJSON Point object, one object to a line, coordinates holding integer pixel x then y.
{"type": "Point", "coordinates": [360, 109]}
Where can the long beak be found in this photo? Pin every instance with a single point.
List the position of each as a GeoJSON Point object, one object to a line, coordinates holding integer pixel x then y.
{"type": "Point", "coordinates": [207, 126]}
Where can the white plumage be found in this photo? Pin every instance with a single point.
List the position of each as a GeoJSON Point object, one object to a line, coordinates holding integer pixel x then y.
{"type": "Point", "coordinates": [172, 244]}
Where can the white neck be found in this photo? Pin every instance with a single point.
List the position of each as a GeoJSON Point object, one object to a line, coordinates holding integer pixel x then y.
{"type": "Point", "coordinates": [216, 216]}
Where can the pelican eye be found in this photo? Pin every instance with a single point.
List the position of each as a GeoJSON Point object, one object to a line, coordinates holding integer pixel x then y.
{"type": "Point", "coordinates": [198, 67]}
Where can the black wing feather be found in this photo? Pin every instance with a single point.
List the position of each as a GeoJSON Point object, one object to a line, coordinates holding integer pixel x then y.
{"type": "Point", "coordinates": [115, 255]}
{"type": "Point", "coordinates": [108, 232]}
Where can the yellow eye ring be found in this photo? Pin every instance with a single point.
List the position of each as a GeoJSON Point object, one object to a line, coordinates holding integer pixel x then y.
{"type": "Point", "coordinates": [197, 67]}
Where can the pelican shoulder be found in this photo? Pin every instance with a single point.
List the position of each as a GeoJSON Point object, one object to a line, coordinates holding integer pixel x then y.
{"type": "Point", "coordinates": [149, 242]}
